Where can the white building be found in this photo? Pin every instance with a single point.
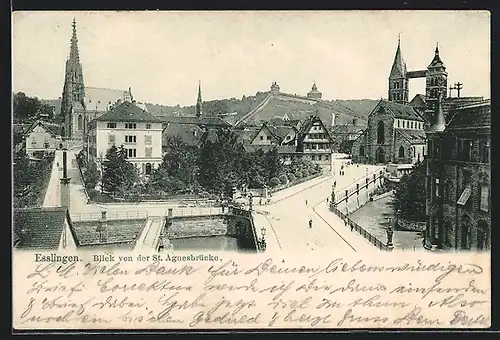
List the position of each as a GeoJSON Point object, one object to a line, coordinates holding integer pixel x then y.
{"type": "Point", "coordinates": [42, 137]}
{"type": "Point", "coordinates": [131, 126]}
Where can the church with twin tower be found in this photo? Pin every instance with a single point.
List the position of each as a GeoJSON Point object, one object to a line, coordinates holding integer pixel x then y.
{"type": "Point", "coordinates": [396, 126]}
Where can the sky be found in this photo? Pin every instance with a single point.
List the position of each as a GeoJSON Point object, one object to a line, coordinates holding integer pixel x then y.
{"type": "Point", "coordinates": [163, 55]}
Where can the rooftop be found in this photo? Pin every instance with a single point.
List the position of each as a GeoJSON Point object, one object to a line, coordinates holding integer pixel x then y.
{"type": "Point", "coordinates": [128, 112]}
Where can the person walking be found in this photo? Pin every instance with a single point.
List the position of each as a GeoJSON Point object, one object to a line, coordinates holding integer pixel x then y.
{"type": "Point", "coordinates": [306, 202]}
{"type": "Point", "coordinates": [310, 224]}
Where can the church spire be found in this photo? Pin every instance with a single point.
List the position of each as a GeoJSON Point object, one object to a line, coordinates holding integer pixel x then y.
{"type": "Point", "coordinates": [199, 102]}
{"type": "Point", "coordinates": [398, 69]}
{"type": "Point", "coordinates": [73, 52]}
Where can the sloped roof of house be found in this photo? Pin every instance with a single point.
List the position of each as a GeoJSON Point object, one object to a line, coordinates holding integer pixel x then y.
{"type": "Point", "coordinates": [413, 136]}
{"type": "Point", "coordinates": [191, 134]}
{"type": "Point", "coordinates": [246, 135]}
{"type": "Point", "coordinates": [306, 126]}
{"type": "Point", "coordinates": [398, 110]}
{"type": "Point", "coordinates": [202, 121]}
{"type": "Point", "coordinates": [99, 99]}
{"type": "Point", "coordinates": [53, 129]}
{"type": "Point", "coordinates": [40, 228]}
{"type": "Point", "coordinates": [128, 112]}
{"type": "Point", "coordinates": [472, 116]}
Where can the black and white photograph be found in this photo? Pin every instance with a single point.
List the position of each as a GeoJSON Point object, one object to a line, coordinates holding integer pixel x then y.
{"type": "Point", "coordinates": [355, 133]}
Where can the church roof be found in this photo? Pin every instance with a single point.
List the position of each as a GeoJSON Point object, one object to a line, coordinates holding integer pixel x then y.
{"type": "Point", "coordinates": [413, 136]}
{"type": "Point", "coordinates": [40, 228]}
{"type": "Point", "coordinates": [436, 61]}
{"type": "Point", "coordinates": [399, 110]}
{"type": "Point", "coordinates": [99, 99]}
{"type": "Point", "coordinates": [398, 69]}
{"type": "Point", "coordinates": [128, 112]}
{"type": "Point", "coordinates": [418, 101]}
{"type": "Point", "coordinates": [475, 115]}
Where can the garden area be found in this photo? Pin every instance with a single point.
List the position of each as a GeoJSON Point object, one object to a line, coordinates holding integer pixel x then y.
{"type": "Point", "coordinates": [210, 171]}
{"type": "Point", "coordinates": [31, 179]}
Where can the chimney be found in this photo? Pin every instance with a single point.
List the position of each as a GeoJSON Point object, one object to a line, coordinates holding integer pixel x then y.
{"type": "Point", "coordinates": [65, 190]}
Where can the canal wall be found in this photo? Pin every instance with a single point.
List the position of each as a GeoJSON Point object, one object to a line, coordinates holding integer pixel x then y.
{"type": "Point", "coordinates": [354, 196]}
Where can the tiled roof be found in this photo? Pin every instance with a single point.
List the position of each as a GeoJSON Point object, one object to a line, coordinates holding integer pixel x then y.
{"type": "Point", "coordinates": [280, 131]}
{"type": "Point", "coordinates": [99, 99]}
{"type": "Point", "coordinates": [205, 121]}
{"type": "Point", "coordinates": [413, 136]}
{"type": "Point", "coordinates": [418, 101]}
{"type": "Point", "coordinates": [398, 69]}
{"type": "Point", "coordinates": [53, 129]}
{"type": "Point", "coordinates": [306, 126]}
{"type": "Point", "coordinates": [128, 112]}
{"type": "Point", "coordinates": [476, 115]}
{"type": "Point", "coordinates": [245, 136]}
{"type": "Point", "coordinates": [399, 110]}
{"type": "Point", "coordinates": [40, 228]}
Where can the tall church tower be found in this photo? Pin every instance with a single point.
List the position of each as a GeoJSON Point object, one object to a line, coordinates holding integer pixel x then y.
{"type": "Point", "coordinates": [436, 82]}
{"type": "Point", "coordinates": [73, 89]}
{"type": "Point", "coordinates": [398, 81]}
{"type": "Point", "coordinates": [199, 102]}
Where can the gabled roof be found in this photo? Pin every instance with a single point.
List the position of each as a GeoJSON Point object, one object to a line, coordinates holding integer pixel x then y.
{"type": "Point", "coordinates": [306, 126]}
{"type": "Point", "coordinates": [473, 116]}
{"type": "Point", "coordinates": [418, 101]}
{"type": "Point", "coordinates": [128, 112]}
{"type": "Point", "coordinates": [53, 129]}
{"type": "Point", "coordinates": [281, 131]}
{"type": "Point", "coordinates": [398, 110]}
{"type": "Point", "coordinates": [40, 228]}
{"type": "Point", "coordinates": [436, 61]}
{"type": "Point", "coordinates": [413, 136]}
{"type": "Point", "coordinates": [246, 135]}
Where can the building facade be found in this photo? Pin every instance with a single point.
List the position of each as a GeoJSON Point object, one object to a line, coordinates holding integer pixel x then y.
{"type": "Point", "coordinates": [42, 137]}
{"type": "Point", "coordinates": [458, 204]}
{"type": "Point", "coordinates": [315, 143]}
{"type": "Point", "coordinates": [395, 134]}
{"type": "Point", "coordinates": [127, 125]}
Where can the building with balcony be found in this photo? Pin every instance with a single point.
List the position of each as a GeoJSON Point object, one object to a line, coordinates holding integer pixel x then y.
{"type": "Point", "coordinates": [315, 143]}
{"type": "Point", "coordinates": [130, 126]}
{"type": "Point", "coordinates": [458, 185]}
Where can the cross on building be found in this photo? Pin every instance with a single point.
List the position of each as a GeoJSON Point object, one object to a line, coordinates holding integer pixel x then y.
{"type": "Point", "coordinates": [457, 86]}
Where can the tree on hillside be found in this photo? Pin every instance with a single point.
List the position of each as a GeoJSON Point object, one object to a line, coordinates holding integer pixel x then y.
{"type": "Point", "coordinates": [410, 194]}
{"type": "Point", "coordinates": [119, 174]}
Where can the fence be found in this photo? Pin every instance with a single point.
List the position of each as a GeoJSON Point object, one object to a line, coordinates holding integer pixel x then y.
{"type": "Point", "coordinates": [345, 192]}
{"type": "Point", "coordinates": [348, 222]}
{"type": "Point", "coordinates": [144, 214]}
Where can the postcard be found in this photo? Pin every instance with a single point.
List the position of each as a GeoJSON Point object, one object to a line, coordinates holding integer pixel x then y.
{"type": "Point", "coordinates": [251, 170]}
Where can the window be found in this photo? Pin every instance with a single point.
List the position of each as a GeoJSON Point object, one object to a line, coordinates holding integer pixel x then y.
{"type": "Point", "coordinates": [148, 126]}
{"type": "Point", "coordinates": [380, 133]}
{"type": "Point", "coordinates": [482, 235]}
{"type": "Point", "coordinates": [148, 168]}
{"type": "Point", "coordinates": [111, 125]}
{"type": "Point", "coordinates": [149, 152]}
{"type": "Point", "coordinates": [131, 153]}
{"type": "Point", "coordinates": [130, 125]}
{"type": "Point", "coordinates": [80, 122]}
{"type": "Point", "coordinates": [465, 150]}
{"type": "Point", "coordinates": [288, 137]}
{"type": "Point", "coordinates": [484, 194]}
{"type": "Point", "coordinates": [447, 233]}
{"type": "Point", "coordinates": [111, 139]}
{"type": "Point", "coordinates": [313, 157]}
{"type": "Point", "coordinates": [436, 187]}
{"type": "Point", "coordinates": [398, 122]}
{"type": "Point", "coordinates": [130, 139]}
{"type": "Point", "coordinates": [46, 145]}
{"type": "Point", "coordinates": [362, 151]}
{"type": "Point", "coordinates": [148, 139]}
{"type": "Point", "coordinates": [484, 151]}
{"type": "Point", "coordinates": [401, 151]}
{"type": "Point", "coordinates": [261, 137]}
{"type": "Point", "coordinates": [268, 137]}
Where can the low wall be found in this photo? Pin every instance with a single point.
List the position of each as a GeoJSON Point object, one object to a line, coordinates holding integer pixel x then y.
{"type": "Point", "coordinates": [354, 196]}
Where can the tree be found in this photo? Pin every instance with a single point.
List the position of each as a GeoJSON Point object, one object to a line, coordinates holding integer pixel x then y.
{"type": "Point", "coordinates": [25, 107]}
{"type": "Point", "coordinates": [119, 175]}
{"type": "Point", "coordinates": [410, 194]}
{"type": "Point", "coordinates": [91, 175]}
{"type": "Point", "coordinates": [273, 165]}
{"type": "Point", "coordinates": [181, 161]}
{"type": "Point", "coordinates": [24, 174]}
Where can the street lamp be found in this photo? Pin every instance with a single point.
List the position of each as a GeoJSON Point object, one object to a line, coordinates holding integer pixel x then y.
{"type": "Point", "coordinates": [262, 241]}
{"type": "Point", "coordinates": [390, 233]}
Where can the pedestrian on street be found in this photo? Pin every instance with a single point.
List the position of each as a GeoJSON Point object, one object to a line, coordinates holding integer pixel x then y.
{"type": "Point", "coordinates": [260, 201]}
{"type": "Point", "coordinates": [327, 200]}
{"type": "Point", "coordinates": [352, 226]}
{"type": "Point", "coordinates": [335, 184]}
{"type": "Point", "coordinates": [310, 224]}
{"type": "Point", "coordinates": [306, 202]}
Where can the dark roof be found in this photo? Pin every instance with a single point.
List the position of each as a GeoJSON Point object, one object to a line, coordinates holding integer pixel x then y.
{"type": "Point", "coordinates": [280, 131]}
{"type": "Point", "coordinates": [398, 69]}
{"type": "Point", "coordinates": [246, 135]}
{"type": "Point", "coordinates": [418, 101]}
{"type": "Point", "coordinates": [128, 112]}
{"type": "Point", "coordinates": [190, 134]}
{"type": "Point", "coordinates": [306, 126]}
{"type": "Point", "coordinates": [476, 115]}
{"type": "Point", "coordinates": [53, 129]}
{"type": "Point", "coordinates": [399, 110]}
{"type": "Point", "coordinates": [40, 228]}
{"type": "Point", "coordinates": [413, 136]}
{"type": "Point", "coordinates": [202, 121]}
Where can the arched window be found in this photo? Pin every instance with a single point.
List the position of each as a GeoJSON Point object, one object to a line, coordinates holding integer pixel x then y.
{"type": "Point", "coordinates": [401, 152]}
{"type": "Point", "coordinates": [148, 168]}
{"type": "Point", "coordinates": [362, 151]}
{"type": "Point", "coordinates": [80, 122]}
{"type": "Point", "coordinates": [465, 238]}
{"type": "Point", "coordinates": [482, 234]}
{"type": "Point", "coordinates": [380, 133]}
